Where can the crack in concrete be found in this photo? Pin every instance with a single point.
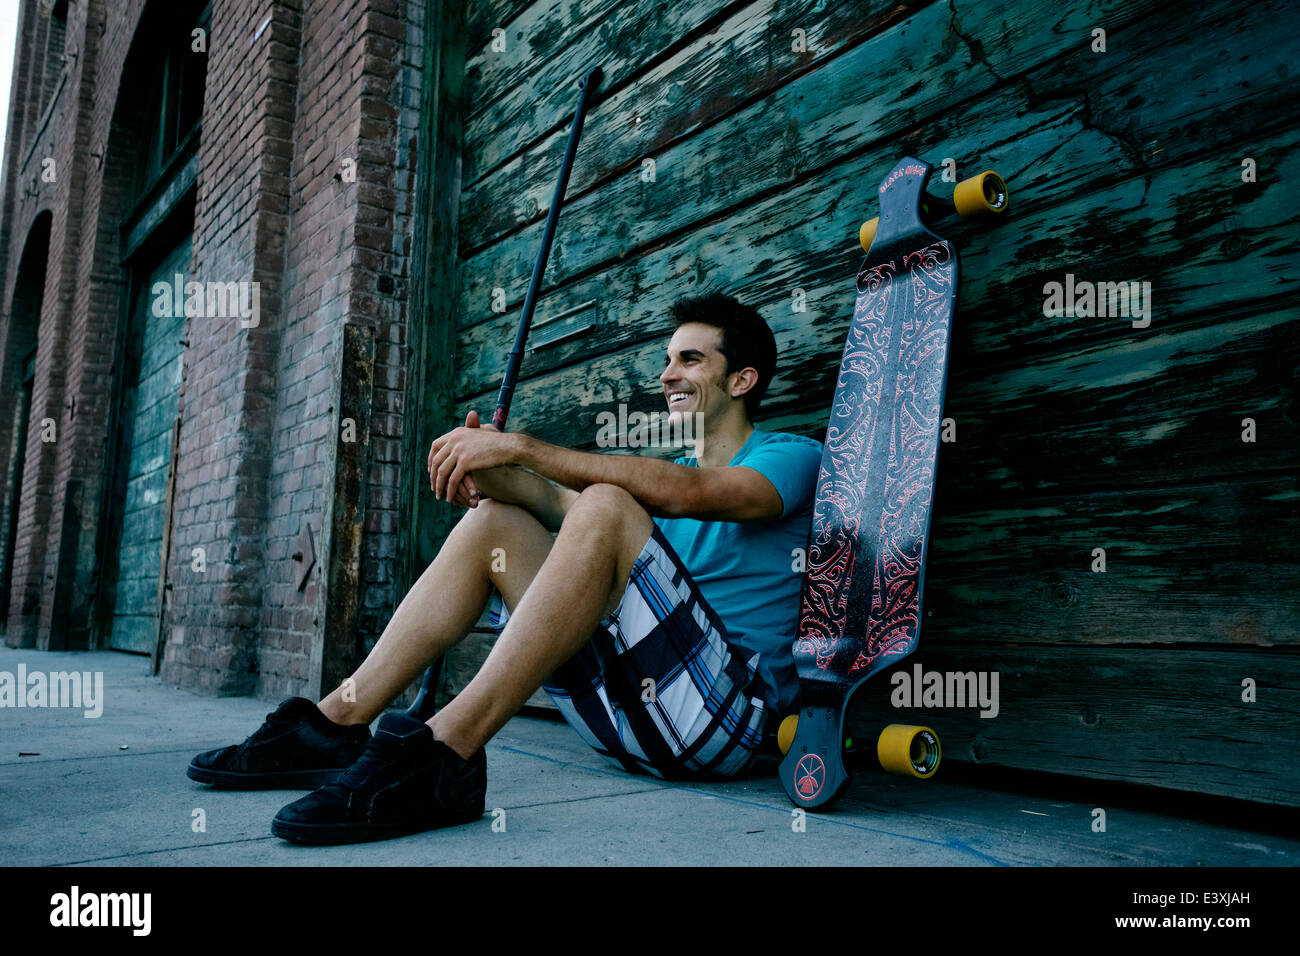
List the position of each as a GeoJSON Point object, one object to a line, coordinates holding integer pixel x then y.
{"type": "Point", "coordinates": [167, 849]}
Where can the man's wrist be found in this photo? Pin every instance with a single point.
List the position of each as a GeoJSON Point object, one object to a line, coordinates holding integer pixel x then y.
{"type": "Point", "coordinates": [523, 450]}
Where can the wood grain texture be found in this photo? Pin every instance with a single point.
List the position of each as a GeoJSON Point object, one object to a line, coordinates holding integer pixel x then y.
{"type": "Point", "coordinates": [623, 41]}
{"type": "Point", "coordinates": [336, 653]}
{"type": "Point", "coordinates": [431, 330]}
{"type": "Point", "coordinates": [1163, 718]}
{"type": "Point", "coordinates": [679, 99]}
{"type": "Point", "coordinates": [1073, 432]}
{"type": "Point", "coordinates": [1045, 141]}
{"type": "Point", "coordinates": [873, 92]}
{"type": "Point", "coordinates": [1023, 380]}
{"type": "Point", "coordinates": [1197, 565]}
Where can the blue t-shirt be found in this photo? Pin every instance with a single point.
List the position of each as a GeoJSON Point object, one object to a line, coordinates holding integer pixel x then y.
{"type": "Point", "coordinates": [745, 569]}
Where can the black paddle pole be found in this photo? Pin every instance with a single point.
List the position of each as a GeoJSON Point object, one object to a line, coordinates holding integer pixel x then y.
{"type": "Point", "coordinates": [516, 356]}
{"type": "Point", "coordinates": [422, 709]}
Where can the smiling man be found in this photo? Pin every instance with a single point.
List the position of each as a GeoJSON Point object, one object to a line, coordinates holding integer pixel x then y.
{"type": "Point", "coordinates": [659, 617]}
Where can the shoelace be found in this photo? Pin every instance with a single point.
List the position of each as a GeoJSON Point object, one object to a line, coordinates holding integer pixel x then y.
{"type": "Point", "coordinates": [274, 724]}
{"type": "Point", "coordinates": [381, 752]}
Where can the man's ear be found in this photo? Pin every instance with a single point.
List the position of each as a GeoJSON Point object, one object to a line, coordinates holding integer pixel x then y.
{"type": "Point", "coordinates": [744, 380]}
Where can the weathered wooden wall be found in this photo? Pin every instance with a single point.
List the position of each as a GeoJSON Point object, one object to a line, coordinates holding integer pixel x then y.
{"type": "Point", "coordinates": [1072, 433]}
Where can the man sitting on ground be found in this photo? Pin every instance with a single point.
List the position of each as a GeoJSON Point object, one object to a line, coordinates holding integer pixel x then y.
{"type": "Point", "coordinates": [660, 619]}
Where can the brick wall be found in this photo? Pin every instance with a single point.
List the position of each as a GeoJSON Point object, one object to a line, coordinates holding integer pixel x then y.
{"type": "Point", "coordinates": [291, 94]}
{"type": "Point", "coordinates": [58, 133]}
{"type": "Point", "coordinates": [348, 244]}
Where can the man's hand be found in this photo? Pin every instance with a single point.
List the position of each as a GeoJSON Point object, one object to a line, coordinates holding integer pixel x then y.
{"type": "Point", "coordinates": [468, 495]}
{"type": "Point", "coordinates": [453, 457]}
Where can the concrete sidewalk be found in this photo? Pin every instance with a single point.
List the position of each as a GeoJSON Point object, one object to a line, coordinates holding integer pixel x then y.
{"type": "Point", "coordinates": [112, 790]}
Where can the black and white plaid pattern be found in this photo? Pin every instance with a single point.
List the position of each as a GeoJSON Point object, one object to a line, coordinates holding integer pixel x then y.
{"type": "Point", "coordinates": [657, 688]}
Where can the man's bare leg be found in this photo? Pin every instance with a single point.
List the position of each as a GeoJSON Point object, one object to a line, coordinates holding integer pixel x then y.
{"type": "Point", "coordinates": [581, 580]}
{"type": "Point", "coordinates": [444, 604]}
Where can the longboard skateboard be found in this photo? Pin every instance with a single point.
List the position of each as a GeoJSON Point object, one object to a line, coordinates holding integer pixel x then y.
{"type": "Point", "coordinates": [861, 603]}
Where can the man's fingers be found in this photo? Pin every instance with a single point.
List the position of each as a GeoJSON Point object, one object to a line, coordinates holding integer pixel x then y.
{"type": "Point", "coordinates": [435, 467]}
{"type": "Point", "coordinates": [445, 467]}
{"type": "Point", "coordinates": [438, 444]}
{"type": "Point", "coordinates": [454, 486]}
{"type": "Point", "coordinates": [462, 498]}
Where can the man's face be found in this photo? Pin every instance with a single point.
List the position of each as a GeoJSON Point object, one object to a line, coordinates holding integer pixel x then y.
{"type": "Point", "coordinates": [695, 374]}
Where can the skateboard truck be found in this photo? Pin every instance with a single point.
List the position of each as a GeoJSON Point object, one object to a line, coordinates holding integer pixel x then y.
{"type": "Point", "coordinates": [985, 194]}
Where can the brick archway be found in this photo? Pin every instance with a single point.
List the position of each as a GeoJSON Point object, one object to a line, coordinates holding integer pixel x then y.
{"type": "Point", "coordinates": [19, 354]}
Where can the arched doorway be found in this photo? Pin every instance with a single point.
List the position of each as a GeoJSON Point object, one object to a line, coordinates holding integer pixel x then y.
{"type": "Point", "coordinates": [156, 230]}
{"type": "Point", "coordinates": [25, 319]}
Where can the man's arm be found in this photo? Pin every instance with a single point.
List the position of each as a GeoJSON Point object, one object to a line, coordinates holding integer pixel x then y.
{"type": "Point", "coordinates": [663, 488]}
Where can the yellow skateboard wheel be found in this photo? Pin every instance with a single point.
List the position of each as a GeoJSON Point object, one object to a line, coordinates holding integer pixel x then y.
{"type": "Point", "coordinates": [985, 193]}
{"type": "Point", "coordinates": [785, 733]}
{"type": "Point", "coordinates": [910, 751]}
{"type": "Point", "coordinates": [868, 233]}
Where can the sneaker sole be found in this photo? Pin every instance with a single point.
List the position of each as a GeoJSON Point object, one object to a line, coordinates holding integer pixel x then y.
{"type": "Point", "coordinates": [276, 780]}
{"type": "Point", "coordinates": [332, 834]}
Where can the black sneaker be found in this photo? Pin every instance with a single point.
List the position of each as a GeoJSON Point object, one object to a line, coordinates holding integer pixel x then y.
{"type": "Point", "coordinates": [405, 782]}
{"type": "Point", "coordinates": [298, 748]}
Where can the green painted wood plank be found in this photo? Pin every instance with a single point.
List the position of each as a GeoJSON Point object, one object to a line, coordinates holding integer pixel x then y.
{"type": "Point", "coordinates": [626, 39]}
{"type": "Point", "coordinates": [1053, 157]}
{"type": "Point", "coordinates": [1001, 324]}
{"type": "Point", "coordinates": [873, 92]}
{"type": "Point", "coordinates": [1170, 718]}
{"type": "Point", "coordinates": [150, 454]}
{"type": "Point", "coordinates": [162, 383]}
{"type": "Point", "coordinates": [746, 59]}
{"type": "Point", "coordinates": [144, 528]}
{"type": "Point", "coordinates": [1195, 564]}
{"type": "Point", "coordinates": [138, 595]}
{"type": "Point", "coordinates": [149, 420]}
{"type": "Point", "coordinates": [431, 328]}
{"type": "Point", "coordinates": [137, 555]}
{"type": "Point", "coordinates": [482, 16]}
{"type": "Point", "coordinates": [539, 33]}
{"type": "Point", "coordinates": [134, 633]}
{"type": "Point", "coordinates": [1130, 414]}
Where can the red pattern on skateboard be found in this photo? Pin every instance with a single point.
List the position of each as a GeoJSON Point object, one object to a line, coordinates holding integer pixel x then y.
{"type": "Point", "coordinates": [893, 619]}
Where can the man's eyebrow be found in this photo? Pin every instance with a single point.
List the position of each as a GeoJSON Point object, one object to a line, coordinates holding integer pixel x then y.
{"type": "Point", "coordinates": [684, 353]}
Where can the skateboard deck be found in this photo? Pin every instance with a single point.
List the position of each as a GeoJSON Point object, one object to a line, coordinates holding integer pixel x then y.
{"type": "Point", "coordinates": [861, 604]}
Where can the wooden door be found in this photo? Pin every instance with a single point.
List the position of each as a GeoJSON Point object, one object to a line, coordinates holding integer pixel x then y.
{"type": "Point", "coordinates": [149, 406]}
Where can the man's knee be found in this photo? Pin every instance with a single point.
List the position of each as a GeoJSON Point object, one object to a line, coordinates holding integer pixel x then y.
{"type": "Point", "coordinates": [603, 497]}
{"type": "Point", "coordinates": [494, 514]}
{"type": "Point", "coordinates": [607, 506]}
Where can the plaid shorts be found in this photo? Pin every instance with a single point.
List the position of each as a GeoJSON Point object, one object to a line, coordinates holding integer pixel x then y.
{"type": "Point", "coordinates": [703, 716]}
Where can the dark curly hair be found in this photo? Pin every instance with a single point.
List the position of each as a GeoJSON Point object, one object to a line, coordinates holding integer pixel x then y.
{"type": "Point", "coordinates": [747, 342]}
